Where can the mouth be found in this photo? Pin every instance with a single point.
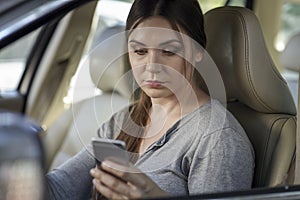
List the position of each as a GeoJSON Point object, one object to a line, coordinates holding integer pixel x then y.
{"type": "Point", "coordinates": [154, 83]}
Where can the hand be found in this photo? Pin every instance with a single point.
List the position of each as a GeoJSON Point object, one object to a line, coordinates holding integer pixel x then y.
{"type": "Point", "coordinates": [117, 181]}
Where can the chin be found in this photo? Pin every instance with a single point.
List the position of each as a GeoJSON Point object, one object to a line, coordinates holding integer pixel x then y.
{"type": "Point", "coordinates": [155, 93]}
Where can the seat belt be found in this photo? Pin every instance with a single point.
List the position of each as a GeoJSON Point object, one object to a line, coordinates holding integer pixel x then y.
{"type": "Point", "coordinates": [297, 167]}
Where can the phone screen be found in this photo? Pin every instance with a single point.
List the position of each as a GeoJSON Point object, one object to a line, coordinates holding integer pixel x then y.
{"type": "Point", "coordinates": [113, 150]}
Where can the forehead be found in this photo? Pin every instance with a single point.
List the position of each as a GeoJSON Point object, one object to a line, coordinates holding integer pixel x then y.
{"type": "Point", "coordinates": [153, 31]}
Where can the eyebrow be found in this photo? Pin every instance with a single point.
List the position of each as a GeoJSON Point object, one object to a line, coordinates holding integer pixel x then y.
{"type": "Point", "coordinates": [135, 41]}
{"type": "Point", "coordinates": [161, 44]}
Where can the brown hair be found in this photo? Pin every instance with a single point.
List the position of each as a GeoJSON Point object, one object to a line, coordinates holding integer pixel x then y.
{"type": "Point", "coordinates": [185, 14]}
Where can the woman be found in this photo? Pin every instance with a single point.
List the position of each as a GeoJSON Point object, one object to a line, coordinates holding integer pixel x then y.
{"type": "Point", "coordinates": [182, 142]}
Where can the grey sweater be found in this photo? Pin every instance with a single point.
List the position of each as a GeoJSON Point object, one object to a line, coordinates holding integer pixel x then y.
{"type": "Point", "coordinates": [206, 151]}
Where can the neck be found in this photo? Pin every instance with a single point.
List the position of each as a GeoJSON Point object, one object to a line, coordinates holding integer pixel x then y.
{"type": "Point", "coordinates": [167, 111]}
{"type": "Point", "coordinates": [185, 102]}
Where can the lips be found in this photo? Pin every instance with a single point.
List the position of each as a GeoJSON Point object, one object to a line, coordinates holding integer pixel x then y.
{"type": "Point", "coordinates": [154, 83]}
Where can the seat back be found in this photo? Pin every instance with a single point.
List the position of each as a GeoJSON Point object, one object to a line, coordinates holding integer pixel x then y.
{"type": "Point", "coordinates": [256, 93]}
{"type": "Point", "coordinates": [21, 158]}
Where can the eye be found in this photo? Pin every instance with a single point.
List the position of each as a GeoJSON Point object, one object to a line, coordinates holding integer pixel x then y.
{"type": "Point", "coordinates": [141, 51]}
{"type": "Point", "coordinates": [168, 53]}
{"type": "Point", "coordinates": [171, 51]}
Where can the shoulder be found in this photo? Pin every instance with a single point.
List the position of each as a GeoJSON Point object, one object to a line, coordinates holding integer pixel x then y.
{"type": "Point", "coordinates": [213, 125]}
{"type": "Point", "coordinates": [214, 117]}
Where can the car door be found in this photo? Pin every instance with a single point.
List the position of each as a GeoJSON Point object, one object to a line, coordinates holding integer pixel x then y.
{"type": "Point", "coordinates": [41, 43]}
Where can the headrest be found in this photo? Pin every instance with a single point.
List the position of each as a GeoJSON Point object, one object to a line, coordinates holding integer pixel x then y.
{"type": "Point", "coordinates": [236, 44]}
{"type": "Point", "coordinates": [289, 58]}
{"type": "Point", "coordinates": [107, 61]}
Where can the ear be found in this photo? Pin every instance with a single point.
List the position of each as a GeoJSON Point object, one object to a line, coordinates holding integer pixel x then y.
{"type": "Point", "coordinates": [198, 56]}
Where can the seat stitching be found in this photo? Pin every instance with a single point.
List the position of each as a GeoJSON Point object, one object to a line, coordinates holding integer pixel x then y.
{"type": "Point", "coordinates": [242, 19]}
{"type": "Point", "coordinates": [267, 144]}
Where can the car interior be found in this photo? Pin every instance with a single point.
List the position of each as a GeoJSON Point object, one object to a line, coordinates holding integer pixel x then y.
{"type": "Point", "coordinates": [263, 101]}
{"type": "Point", "coordinates": [268, 118]}
{"type": "Point", "coordinates": [79, 124]}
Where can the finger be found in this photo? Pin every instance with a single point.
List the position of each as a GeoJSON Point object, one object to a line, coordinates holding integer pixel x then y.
{"type": "Point", "coordinates": [128, 173]}
{"type": "Point", "coordinates": [106, 191]}
{"type": "Point", "coordinates": [115, 184]}
{"type": "Point", "coordinates": [121, 171]}
{"type": "Point", "coordinates": [119, 167]}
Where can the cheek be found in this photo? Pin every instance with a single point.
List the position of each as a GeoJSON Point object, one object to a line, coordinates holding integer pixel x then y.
{"type": "Point", "coordinates": [135, 60]}
{"type": "Point", "coordinates": [137, 66]}
{"type": "Point", "coordinates": [177, 65]}
{"type": "Point", "coordinates": [137, 72]}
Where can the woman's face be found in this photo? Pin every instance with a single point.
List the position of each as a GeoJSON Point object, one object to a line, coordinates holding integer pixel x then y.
{"type": "Point", "coordinates": [156, 56]}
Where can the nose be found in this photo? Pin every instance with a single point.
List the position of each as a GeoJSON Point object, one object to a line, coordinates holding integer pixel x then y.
{"type": "Point", "coordinates": [153, 64]}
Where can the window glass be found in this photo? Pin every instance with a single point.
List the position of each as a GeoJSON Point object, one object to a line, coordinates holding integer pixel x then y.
{"type": "Point", "coordinates": [109, 13]}
{"type": "Point", "coordinates": [289, 27]}
{"type": "Point", "coordinates": [211, 4]}
{"type": "Point", "coordinates": [13, 60]}
{"type": "Point", "coordinates": [290, 24]}
{"type": "Point", "coordinates": [237, 3]}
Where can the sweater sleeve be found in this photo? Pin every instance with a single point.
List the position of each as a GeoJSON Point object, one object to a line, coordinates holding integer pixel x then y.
{"type": "Point", "coordinates": [225, 167]}
{"type": "Point", "coordinates": [72, 179]}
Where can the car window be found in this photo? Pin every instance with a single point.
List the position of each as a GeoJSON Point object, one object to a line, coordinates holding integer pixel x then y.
{"type": "Point", "coordinates": [109, 13]}
{"type": "Point", "coordinates": [289, 27]}
{"type": "Point", "coordinates": [13, 59]}
{"type": "Point", "coordinates": [208, 5]}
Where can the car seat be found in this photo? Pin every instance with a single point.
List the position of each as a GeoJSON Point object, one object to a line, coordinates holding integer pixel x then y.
{"type": "Point", "coordinates": [21, 158]}
{"type": "Point", "coordinates": [75, 127]}
{"type": "Point", "coordinates": [257, 95]}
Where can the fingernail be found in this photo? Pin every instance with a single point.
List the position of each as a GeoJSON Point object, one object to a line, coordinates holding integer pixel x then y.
{"type": "Point", "coordinates": [105, 163]}
{"type": "Point", "coordinates": [108, 163]}
{"type": "Point", "coordinates": [95, 181]}
{"type": "Point", "coordinates": [92, 171]}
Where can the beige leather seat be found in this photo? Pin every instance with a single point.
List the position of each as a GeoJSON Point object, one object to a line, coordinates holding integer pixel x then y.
{"type": "Point", "coordinates": [256, 92]}
{"type": "Point", "coordinates": [74, 129]}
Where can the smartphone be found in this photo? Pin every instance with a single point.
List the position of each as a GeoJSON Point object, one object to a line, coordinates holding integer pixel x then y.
{"type": "Point", "coordinates": [109, 149]}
